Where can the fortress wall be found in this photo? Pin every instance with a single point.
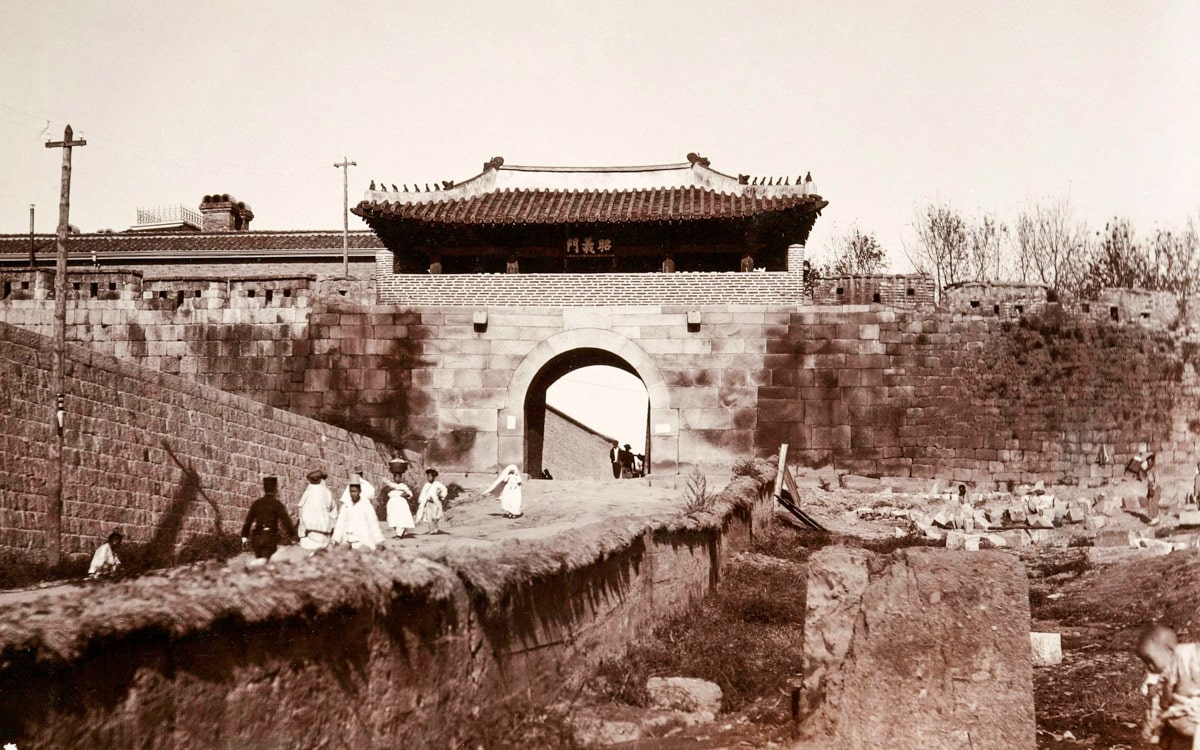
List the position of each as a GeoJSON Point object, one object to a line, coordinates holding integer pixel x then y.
{"type": "Point", "coordinates": [900, 394]}
{"type": "Point", "coordinates": [868, 388]}
{"type": "Point", "coordinates": [168, 460]}
{"type": "Point", "coordinates": [374, 650]}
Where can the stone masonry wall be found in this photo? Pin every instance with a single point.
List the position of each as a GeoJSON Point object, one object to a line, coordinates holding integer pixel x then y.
{"type": "Point", "coordinates": [869, 389]}
{"type": "Point", "coordinates": [573, 451]}
{"type": "Point", "coordinates": [166, 459]}
{"type": "Point", "coordinates": [900, 394]}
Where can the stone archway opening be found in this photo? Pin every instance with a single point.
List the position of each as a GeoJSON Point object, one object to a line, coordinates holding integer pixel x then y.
{"type": "Point", "coordinates": [575, 405]}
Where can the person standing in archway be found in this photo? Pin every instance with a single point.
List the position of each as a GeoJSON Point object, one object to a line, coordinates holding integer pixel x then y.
{"type": "Point", "coordinates": [625, 459]}
{"type": "Point", "coordinates": [614, 456]}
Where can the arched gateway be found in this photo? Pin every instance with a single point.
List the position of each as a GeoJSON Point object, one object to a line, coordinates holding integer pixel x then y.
{"type": "Point", "coordinates": [566, 352]}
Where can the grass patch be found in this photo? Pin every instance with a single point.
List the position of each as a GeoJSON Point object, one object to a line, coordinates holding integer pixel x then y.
{"type": "Point", "coordinates": [747, 636]}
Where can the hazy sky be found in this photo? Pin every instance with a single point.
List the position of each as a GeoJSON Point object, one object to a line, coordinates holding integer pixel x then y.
{"type": "Point", "coordinates": [986, 105]}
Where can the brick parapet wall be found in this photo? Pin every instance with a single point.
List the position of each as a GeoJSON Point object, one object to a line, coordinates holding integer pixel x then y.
{"type": "Point", "coordinates": [581, 289]}
{"type": "Point", "coordinates": [903, 292]}
{"type": "Point", "coordinates": [166, 459]}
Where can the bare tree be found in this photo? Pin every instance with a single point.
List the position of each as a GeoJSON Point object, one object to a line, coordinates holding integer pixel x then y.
{"type": "Point", "coordinates": [943, 245]}
{"type": "Point", "coordinates": [1051, 246]}
{"type": "Point", "coordinates": [1168, 262]}
{"type": "Point", "coordinates": [854, 253]}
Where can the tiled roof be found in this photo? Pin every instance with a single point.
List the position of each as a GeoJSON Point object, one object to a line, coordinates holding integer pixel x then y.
{"type": "Point", "coordinates": [587, 206]}
{"type": "Point", "coordinates": [182, 245]}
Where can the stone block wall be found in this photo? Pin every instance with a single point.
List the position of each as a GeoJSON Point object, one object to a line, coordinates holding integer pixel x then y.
{"type": "Point", "coordinates": [573, 450]}
{"type": "Point", "coordinates": [913, 394]}
{"type": "Point", "coordinates": [165, 458]}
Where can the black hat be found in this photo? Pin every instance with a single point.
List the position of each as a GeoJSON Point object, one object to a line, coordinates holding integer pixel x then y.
{"type": "Point", "coordinates": [270, 484]}
{"type": "Point", "coordinates": [117, 533]}
{"type": "Point", "coordinates": [431, 471]}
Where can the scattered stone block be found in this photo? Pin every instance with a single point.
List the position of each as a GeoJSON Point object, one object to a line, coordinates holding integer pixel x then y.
{"type": "Point", "coordinates": [861, 484]}
{"type": "Point", "coordinates": [1016, 538]}
{"type": "Point", "coordinates": [1113, 538]}
{"type": "Point", "coordinates": [1078, 511]}
{"type": "Point", "coordinates": [1095, 523]}
{"type": "Point", "coordinates": [1047, 649]}
{"type": "Point", "coordinates": [590, 731]}
{"type": "Point", "coordinates": [955, 540]}
{"type": "Point", "coordinates": [971, 543]}
{"type": "Point", "coordinates": [996, 540]}
{"type": "Point", "coordinates": [686, 694]}
{"type": "Point", "coordinates": [1108, 506]}
{"type": "Point", "coordinates": [1189, 518]}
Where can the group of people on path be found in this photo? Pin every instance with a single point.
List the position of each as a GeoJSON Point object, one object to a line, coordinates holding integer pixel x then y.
{"type": "Point", "coordinates": [352, 521]}
{"type": "Point", "coordinates": [625, 463]}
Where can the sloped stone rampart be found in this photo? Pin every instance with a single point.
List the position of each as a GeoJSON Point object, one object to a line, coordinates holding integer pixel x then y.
{"type": "Point", "coordinates": [919, 649]}
{"type": "Point", "coordinates": [166, 459]}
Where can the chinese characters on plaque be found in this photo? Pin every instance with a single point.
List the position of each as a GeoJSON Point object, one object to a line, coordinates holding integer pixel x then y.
{"type": "Point", "coordinates": [588, 246]}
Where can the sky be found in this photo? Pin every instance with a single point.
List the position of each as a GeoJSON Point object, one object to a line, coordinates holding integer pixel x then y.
{"type": "Point", "coordinates": [984, 106]}
{"type": "Point", "coordinates": [610, 401]}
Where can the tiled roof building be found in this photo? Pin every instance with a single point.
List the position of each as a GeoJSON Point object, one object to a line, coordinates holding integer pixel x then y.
{"type": "Point", "coordinates": [684, 216]}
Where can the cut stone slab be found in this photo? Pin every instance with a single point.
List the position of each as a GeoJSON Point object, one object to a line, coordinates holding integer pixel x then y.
{"type": "Point", "coordinates": [1189, 518]}
{"type": "Point", "coordinates": [684, 694]}
{"type": "Point", "coordinates": [908, 650]}
{"type": "Point", "coordinates": [1047, 649]}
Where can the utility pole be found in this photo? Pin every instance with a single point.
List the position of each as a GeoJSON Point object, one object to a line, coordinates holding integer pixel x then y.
{"type": "Point", "coordinates": [32, 252]}
{"type": "Point", "coordinates": [58, 374]}
{"type": "Point", "coordinates": [345, 167]}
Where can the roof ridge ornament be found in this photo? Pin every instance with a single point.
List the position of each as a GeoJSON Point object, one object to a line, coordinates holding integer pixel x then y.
{"type": "Point", "coordinates": [495, 163]}
{"type": "Point", "coordinates": [695, 158]}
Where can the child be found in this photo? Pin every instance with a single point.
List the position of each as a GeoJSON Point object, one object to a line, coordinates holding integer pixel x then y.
{"type": "Point", "coordinates": [1175, 669]}
{"type": "Point", "coordinates": [429, 503]}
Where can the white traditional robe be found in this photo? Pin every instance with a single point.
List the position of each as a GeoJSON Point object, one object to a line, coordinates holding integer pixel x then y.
{"type": "Point", "coordinates": [358, 526]}
{"type": "Point", "coordinates": [103, 562]}
{"type": "Point", "coordinates": [366, 492]}
{"type": "Point", "coordinates": [508, 484]}
{"type": "Point", "coordinates": [317, 515]}
{"type": "Point", "coordinates": [399, 517]}
{"type": "Point", "coordinates": [429, 504]}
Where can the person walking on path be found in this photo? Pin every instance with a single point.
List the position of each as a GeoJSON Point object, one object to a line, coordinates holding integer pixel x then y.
{"type": "Point", "coordinates": [317, 513]}
{"type": "Point", "coordinates": [614, 456]}
{"type": "Point", "coordinates": [429, 503]}
{"type": "Point", "coordinates": [399, 517]}
{"type": "Point", "coordinates": [265, 520]}
{"type": "Point", "coordinates": [508, 485]}
{"type": "Point", "coordinates": [358, 523]}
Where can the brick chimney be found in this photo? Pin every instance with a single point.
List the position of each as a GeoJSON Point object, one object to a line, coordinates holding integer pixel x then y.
{"type": "Point", "coordinates": [223, 213]}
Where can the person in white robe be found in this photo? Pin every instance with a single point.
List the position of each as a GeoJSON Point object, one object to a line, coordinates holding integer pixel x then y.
{"type": "Point", "coordinates": [357, 523]}
{"type": "Point", "coordinates": [399, 517]}
{"type": "Point", "coordinates": [429, 503]}
{"type": "Point", "coordinates": [367, 489]}
{"type": "Point", "coordinates": [317, 513]}
{"type": "Point", "coordinates": [105, 560]}
{"type": "Point", "coordinates": [508, 486]}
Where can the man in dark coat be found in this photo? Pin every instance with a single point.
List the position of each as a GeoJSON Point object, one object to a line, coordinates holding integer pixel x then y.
{"type": "Point", "coordinates": [614, 456]}
{"type": "Point", "coordinates": [266, 519]}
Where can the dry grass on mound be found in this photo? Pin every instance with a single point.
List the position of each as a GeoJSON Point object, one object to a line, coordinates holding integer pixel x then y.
{"type": "Point", "coordinates": [189, 600]}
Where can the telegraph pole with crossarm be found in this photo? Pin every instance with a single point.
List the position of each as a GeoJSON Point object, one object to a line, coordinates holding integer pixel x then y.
{"type": "Point", "coordinates": [345, 165]}
{"type": "Point", "coordinates": [58, 376]}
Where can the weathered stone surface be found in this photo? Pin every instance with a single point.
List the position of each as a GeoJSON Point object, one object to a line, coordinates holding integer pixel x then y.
{"type": "Point", "coordinates": [687, 694]}
{"type": "Point", "coordinates": [876, 676]}
{"type": "Point", "coordinates": [1047, 649]}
